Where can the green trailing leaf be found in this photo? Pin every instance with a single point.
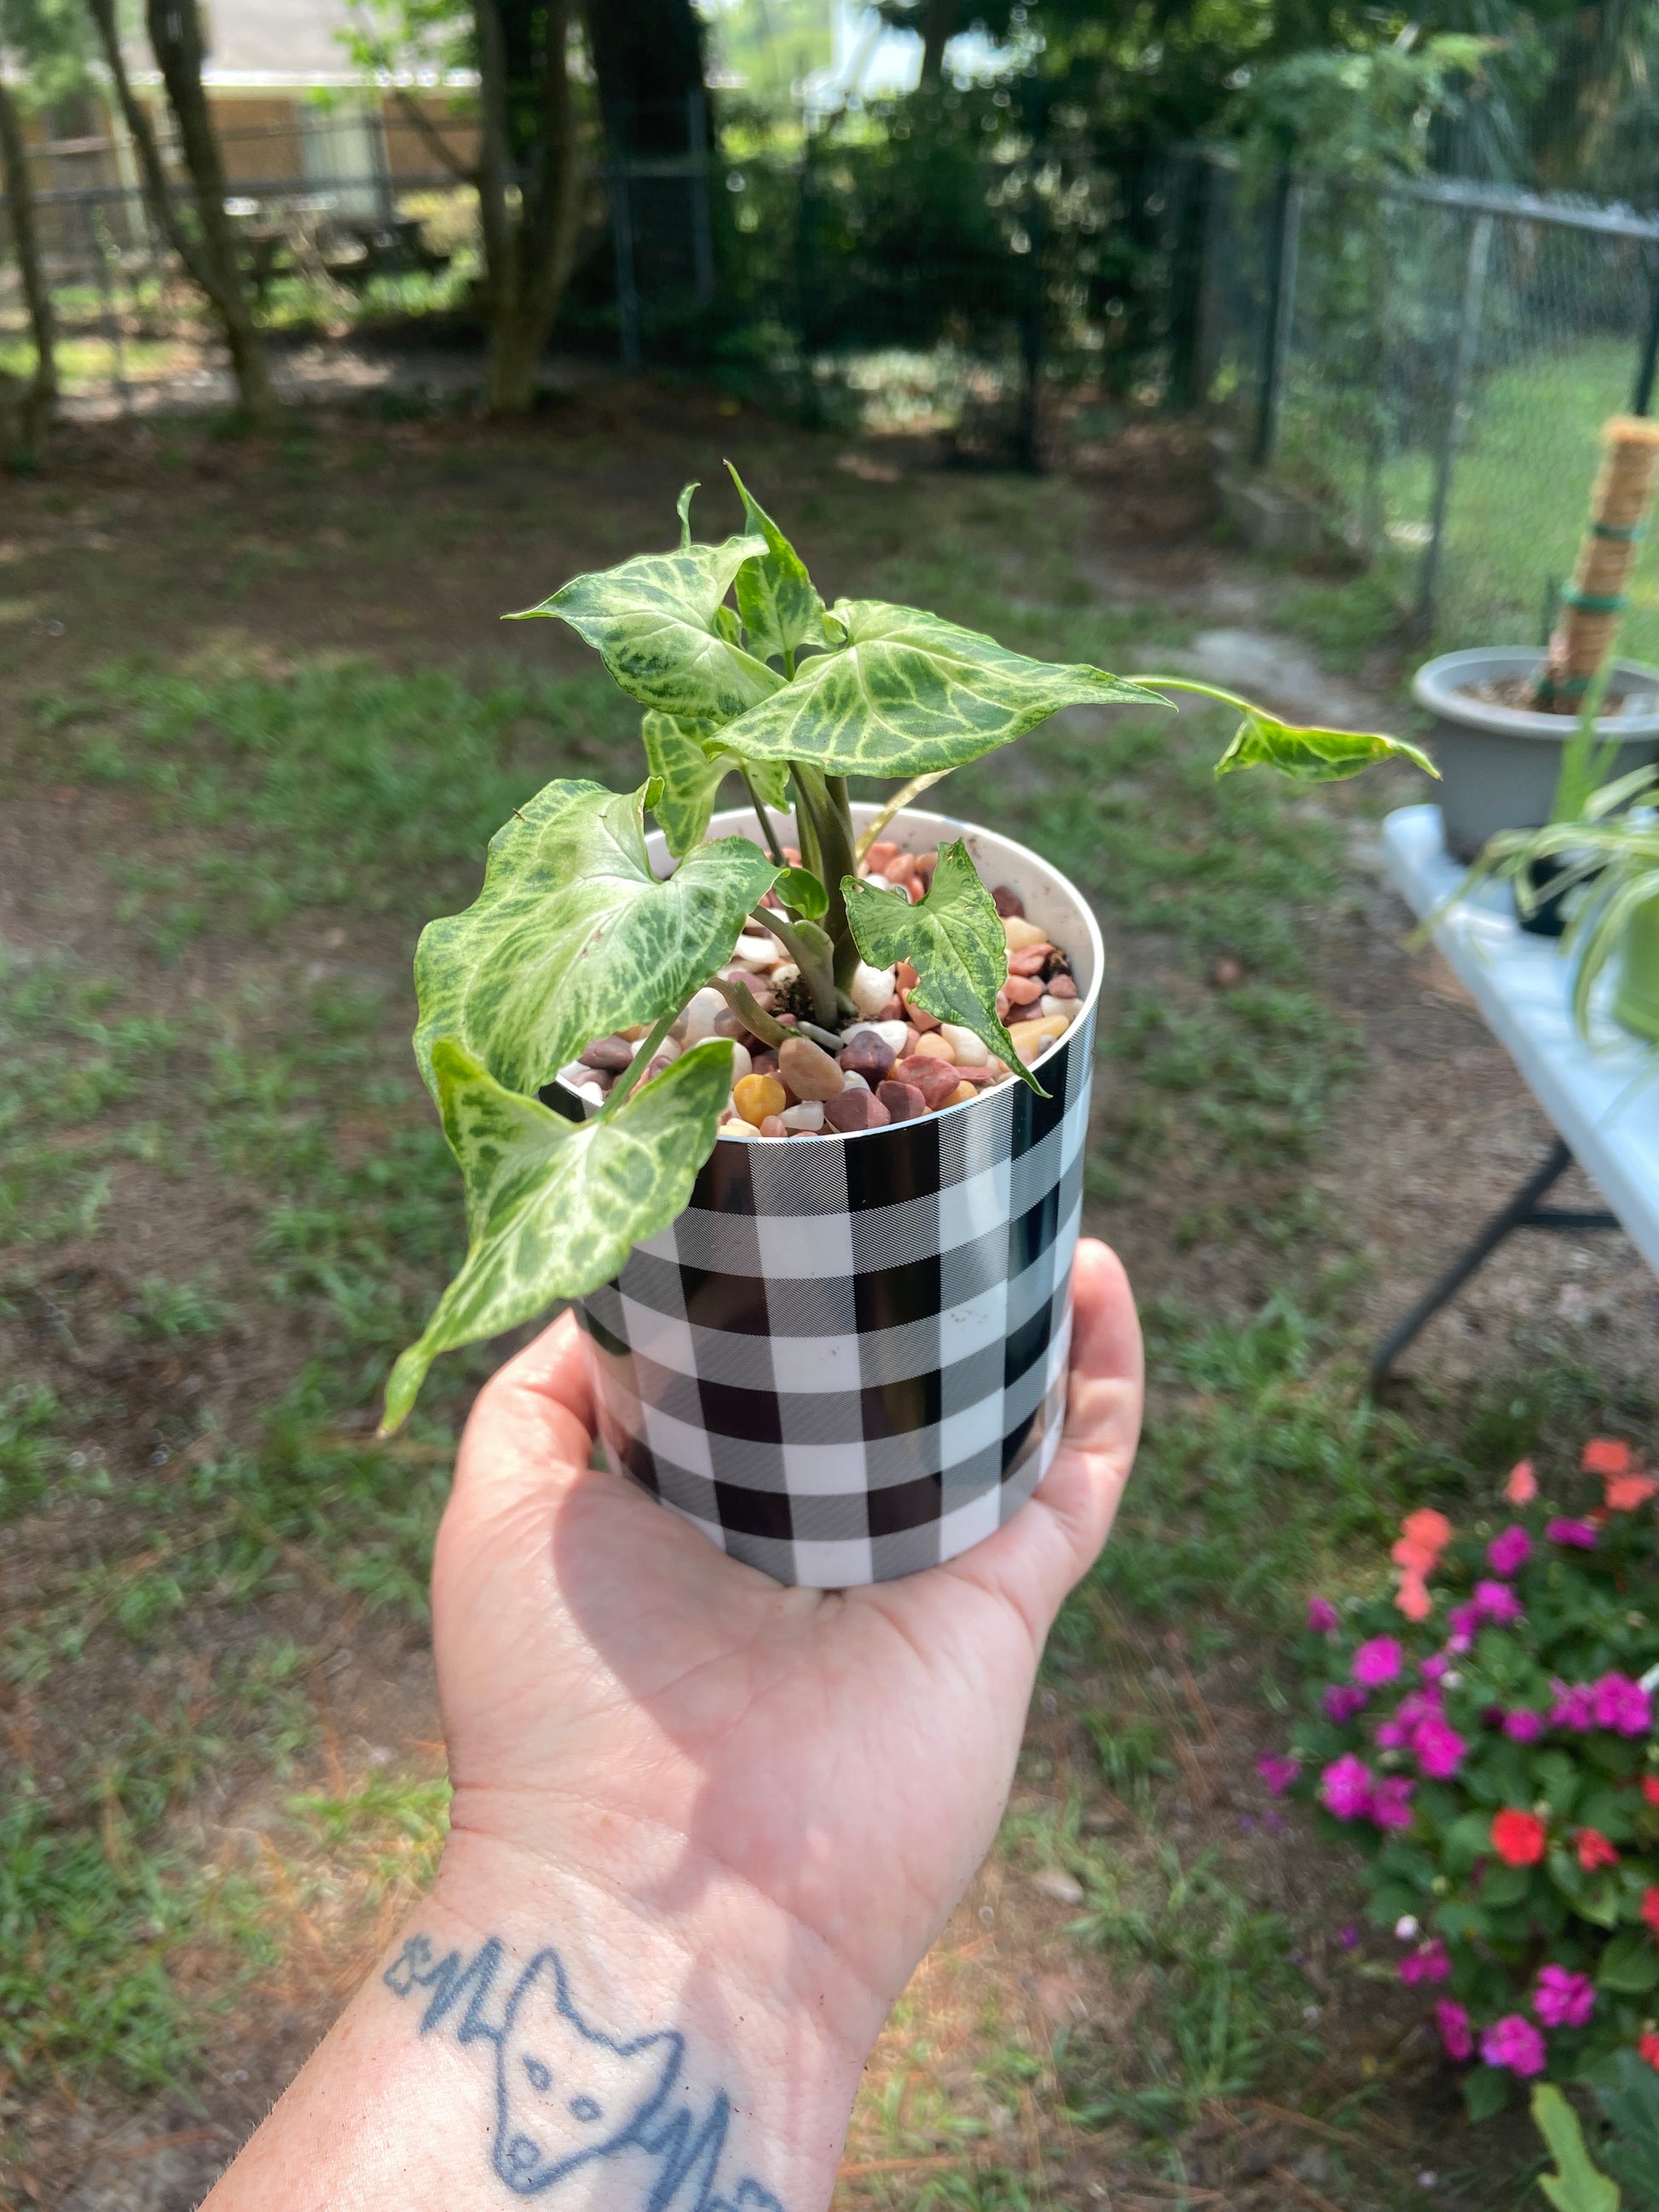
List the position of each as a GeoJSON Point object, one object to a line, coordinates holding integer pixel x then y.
{"type": "Point", "coordinates": [573, 936]}
{"type": "Point", "coordinates": [554, 1208]}
{"type": "Point", "coordinates": [656, 622]}
{"type": "Point", "coordinates": [909, 693]}
{"type": "Point", "coordinates": [955, 941]}
{"type": "Point", "coordinates": [692, 765]}
{"type": "Point", "coordinates": [1577, 2185]}
{"type": "Point", "coordinates": [780, 611]}
{"type": "Point", "coordinates": [1311, 756]}
{"type": "Point", "coordinates": [683, 508]}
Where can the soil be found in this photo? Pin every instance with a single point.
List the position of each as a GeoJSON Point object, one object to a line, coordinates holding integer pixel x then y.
{"type": "Point", "coordinates": [128, 538]}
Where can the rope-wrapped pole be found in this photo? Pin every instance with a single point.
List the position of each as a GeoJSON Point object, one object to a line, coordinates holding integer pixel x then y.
{"type": "Point", "coordinates": [1593, 603]}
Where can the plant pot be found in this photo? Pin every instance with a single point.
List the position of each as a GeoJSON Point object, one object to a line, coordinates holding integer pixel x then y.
{"type": "Point", "coordinates": [1636, 985]}
{"type": "Point", "coordinates": [1498, 765]}
{"type": "Point", "coordinates": [1547, 915]}
{"type": "Point", "coordinates": [845, 1360]}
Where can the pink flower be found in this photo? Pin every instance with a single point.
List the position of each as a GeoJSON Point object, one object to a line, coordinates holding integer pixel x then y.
{"type": "Point", "coordinates": [1622, 1706]}
{"type": "Point", "coordinates": [1438, 1747]}
{"type": "Point", "coordinates": [1464, 1622]}
{"type": "Point", "coordinates": [1456, 2036]}
{"type": "Point", "coordinates": [1522, 1486]}
{"type": "Point", "coordinates": [1277, 1771]}
{"type": "Point", "coordinates": [1523, 1727]}
{"type": "Point", "coordinates": [1562, 1999]}
{"type": "Point", "coordinates": [1412, 1598]}
{"type": "Point", "coordinates": [1434, 1667]}
{"type": "Point", "coordinates": [1607, 1455]}
{"type": "Point", "coordinates": [1341, 1702]}
{"type": "Point", "coordinates": [1509, 1551]}
{"type": "Point", "coordinates": [1574, 1707]}
{"type": "Point", "coordinates": [1377, 1662]}
{"type": "Point", "coordinates": [1514, 2042]}
{"type": "Point", "coordinates": [1497, 1602]}
{"type": "Point", "coordinates": [1581, 1535]}
{"type": "Point", "coordinates": [1391, 1802]}
{"type": "Point", "coordinates": [1345, 1787]}
{"type": "Point", "coordinates": [1321, 1616]}
{"type": "Point", "coordinates": [1430, 1962]}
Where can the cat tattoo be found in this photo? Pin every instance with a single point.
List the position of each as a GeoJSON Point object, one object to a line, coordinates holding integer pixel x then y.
{"type": "Point", "coordinates": [566, 2095]}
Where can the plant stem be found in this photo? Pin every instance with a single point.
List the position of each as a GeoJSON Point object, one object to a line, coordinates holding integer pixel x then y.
{"type": "Point", "coordinates": [897, 805]}
{"type": "Point", "coordinates": [765, 820]}
{"type": "Point", "coordinates": [748, 1010]}
{"type": "Point", "coordinates": [642, 1060]}
{"type": "Point", "coordinates": [797, 940]}
{"type": "Point", "coordinates": [824, 798]}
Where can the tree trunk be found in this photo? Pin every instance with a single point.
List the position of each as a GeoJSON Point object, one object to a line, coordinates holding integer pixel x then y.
{"type": "Point", "coordinates": [207, 248]}
{"type": "Point", "coordinates": [527, 142]}
{"type": "Point", "coordinates": [939, 27]}
{"type": "Point", "coordinates": [20, 201]}
{"type": "Point", "coordinates": [648, 61]}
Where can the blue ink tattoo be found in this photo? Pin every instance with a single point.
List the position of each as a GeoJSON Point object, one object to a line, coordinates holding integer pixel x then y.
{"type": "Point", "coordinates": [566, 2095]}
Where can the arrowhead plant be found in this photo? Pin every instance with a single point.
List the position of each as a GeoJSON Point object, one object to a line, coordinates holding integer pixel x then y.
{"type": "Point", "coordinates": [741, 670]}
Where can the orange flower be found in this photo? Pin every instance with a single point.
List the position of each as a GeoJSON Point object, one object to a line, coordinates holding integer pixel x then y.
{"type": "Point", "coordinates": [1594, 1850]}
{"type": "Point", "coordinates": [1413, 1597]}
{"type": "Point", "coordinates": [1606, 1455]}
{"type": "Point", "coordinates": [1647, 2047]}
{"type": "Point", "coordinates": [1522, 1486]}
{"type": "Point", "coordinates": [1650, 1908]}
{"type": "Point", "coordinates": [1625, 1492]}
{"type": "Point", "coordinates": [1518, 1837]}
{"type": "Point", "coordinates": [1427, 1528]}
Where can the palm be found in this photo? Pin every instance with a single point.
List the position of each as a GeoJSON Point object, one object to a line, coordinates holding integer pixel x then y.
{"type": "Point", "coordinates": [616, 1691]}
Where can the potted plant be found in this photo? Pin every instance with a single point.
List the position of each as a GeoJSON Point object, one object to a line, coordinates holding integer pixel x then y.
{"type": "Point", "coordinates": [1503, 716]}
{"type": "Point", "coordinates": [792, 1110]}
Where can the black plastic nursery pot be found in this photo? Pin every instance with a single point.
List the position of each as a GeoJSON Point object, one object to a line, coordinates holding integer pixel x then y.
{"type": "Point", "coordinates": [845, 1360]}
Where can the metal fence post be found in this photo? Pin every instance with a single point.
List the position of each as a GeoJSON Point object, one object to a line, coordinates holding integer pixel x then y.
{"type": "Point", "coordinates": [622, 234]}
{"type": "Point", "coordinates": [1642, 398]}
{"type": "Point", "coordinates": [1280, 321]}
{"type": "Point", "coordinates": [1463, 367]}
{"type": "Point", "coordinates": [702, 230]}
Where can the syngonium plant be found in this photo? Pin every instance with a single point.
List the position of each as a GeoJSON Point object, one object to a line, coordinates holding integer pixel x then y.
{"type": "Point", "coordinates": [573, 937]}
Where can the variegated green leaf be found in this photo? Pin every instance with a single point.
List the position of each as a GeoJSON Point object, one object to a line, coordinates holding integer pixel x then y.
{"type": "Point", "coordinates": [909, 693]}
{"type": "Point", "coordinates": [573, 936]}
{"type": "Point", "coordinates": [803, 893]}
{"type": "Point", "coordinates": [955, 941]}
{"type": "Point", "coordinates": [554, 1208]}
{"type": "Point", "coordinates": [692, 767]}
{"type": "Point", "coordinates": [656, 624]}
{"type": "Point", "coordinates": [1313, 756]}
{"type": "Point", "coordinates": [780, 611]}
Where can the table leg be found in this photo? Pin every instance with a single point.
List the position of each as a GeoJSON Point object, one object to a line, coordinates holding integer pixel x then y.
{"type": "Point", "coordinates": [1521, 1212]}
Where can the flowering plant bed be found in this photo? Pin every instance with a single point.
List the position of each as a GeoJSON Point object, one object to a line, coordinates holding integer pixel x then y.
{"type": "Point", "coordinates": [1485, 1735]}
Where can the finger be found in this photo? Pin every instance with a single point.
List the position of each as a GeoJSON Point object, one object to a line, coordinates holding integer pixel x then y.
{"type": "Point", "coordinates": [1048, 1546]}
{"type": "Point", "coordinates": [531, 1426]}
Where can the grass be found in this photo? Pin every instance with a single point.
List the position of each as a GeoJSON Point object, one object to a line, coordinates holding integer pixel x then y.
{"type": "Point", "coordinates": [202, 1807]}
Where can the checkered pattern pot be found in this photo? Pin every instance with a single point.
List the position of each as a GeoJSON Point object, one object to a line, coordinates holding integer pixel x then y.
{"type": "Point", "coordinates": [845, 1360]}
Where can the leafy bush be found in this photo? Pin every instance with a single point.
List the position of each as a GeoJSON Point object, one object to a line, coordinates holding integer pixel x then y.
{"type": "Point", "coordinates": [1485, 1736]}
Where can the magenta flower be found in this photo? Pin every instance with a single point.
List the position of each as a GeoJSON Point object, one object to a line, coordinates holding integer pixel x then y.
{"type": "Point", "coordinates": [1277, 1771]}
{"type": "Point", "coordinates": [1621, 1705]}
{"type": "Point", "coordinates": [1574, 1707]}
{"type": "Point", "coordinates": [1581, 1535]}
{"type": "Point", "coordinates": [1345, 1787]}
{"type": "Point", "coordinates": [1562, 1999]}
{"type": "Point", "coordinates": [1523, 1727]}
{"type": "Point", "coordinates": [1430, 1962]}
{"type": "Point", "coordinates": [1321, 1616]}
{"type": "Point", "coordinates": [1497, 1603]}
{"type": "Point", "coordinates": [1513, 2042]}
{"type": "Point", "coordinates": [1508, 1552]}
{"type": "Point", "coordinates": [1348, 1938]}
{"type": "Point", "coordinates": [1465, 1623]}
{"type": "Point", "coordinates": [1456, 2036]}
{"type": "Point", "coordinates": [1434, 1667]}
{"type": "Point", "coordinates": [1341, 1702]}
{"type": "Point", "coordinates": [1391, 1802]}
{"type": "Point", "coordinates": [1438, 1747]}
{"type": "Point", "coordinates": [1377, 1662]}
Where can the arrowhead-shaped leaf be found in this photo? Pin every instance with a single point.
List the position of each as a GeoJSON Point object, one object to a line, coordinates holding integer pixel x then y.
{"type": "Point", "coordinates": [573, 936]}
{"type": "Point", "coordinates": [656, 624]}
{"type": "Point", "coordinates": [554, 1208]}
{"type": "Point", "coordinates": [780, 611]}
{"type": "Point", "coordinates": [955, 941]}
{"type": "Point", "coordinates": [909, 693]}
{"type": "Point", "coordinates": [1313, 756]}
{"type": "Point", "coordinates": [692, 767]}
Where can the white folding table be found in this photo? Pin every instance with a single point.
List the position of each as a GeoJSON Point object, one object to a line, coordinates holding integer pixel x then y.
{"type": "Point", "coordinates": [1603, 1096]}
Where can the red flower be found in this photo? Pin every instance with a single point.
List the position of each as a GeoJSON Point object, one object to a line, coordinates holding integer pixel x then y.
{"type": "Point", "coordinates": [1648, 2047]}
{"type": "Point", "coordinates": [1518, 1839]}
{"type": "Point", "coordinates": [1650, 1908]}
{"type": "Point", "coordinates": [1594, 1850]}
{"type": "Point", "coordinates": [1650, 1788]}
{"type": "Point", "coordinates": [1628, 1493]}
{"type": "Point", "coordinates": [1606, 1455]}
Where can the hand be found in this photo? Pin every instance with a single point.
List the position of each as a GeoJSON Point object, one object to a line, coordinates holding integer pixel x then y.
{"type": "Point", "coordinates": [622, 1700]}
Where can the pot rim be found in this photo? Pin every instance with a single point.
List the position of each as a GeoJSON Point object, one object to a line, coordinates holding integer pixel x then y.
{"type": "Point", "coordinates": [740, 821]}
{"type": "Point", "coordinates": [1436, 686]}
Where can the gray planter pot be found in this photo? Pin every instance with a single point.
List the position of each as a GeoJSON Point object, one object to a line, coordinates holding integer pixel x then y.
{"type": "Point", "coordinates": [1499, 764]}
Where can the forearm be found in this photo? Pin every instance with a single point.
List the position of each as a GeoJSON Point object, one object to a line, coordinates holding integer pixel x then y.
{"type": "Point", "coordinates": [530, 2033]}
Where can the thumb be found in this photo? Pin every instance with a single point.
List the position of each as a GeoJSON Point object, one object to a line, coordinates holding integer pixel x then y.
{"type": "Point", "coordinates": [529, 1436]}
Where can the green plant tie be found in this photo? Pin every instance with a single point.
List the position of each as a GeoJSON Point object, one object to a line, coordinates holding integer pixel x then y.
{"type": "Point", "coordinates": [1596, 603]}
{"type": "Point", "coordinates": [1627, 533]}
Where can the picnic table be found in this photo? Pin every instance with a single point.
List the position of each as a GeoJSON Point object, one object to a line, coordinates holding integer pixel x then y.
{"type": "Point", "coordinates": [1601, 1097]}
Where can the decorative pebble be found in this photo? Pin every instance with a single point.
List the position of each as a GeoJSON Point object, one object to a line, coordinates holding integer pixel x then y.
{"type": "Point", "coordinates": [879, 855]}
{"type": "Point", "coordinates": [755, 951]}
{"type": "Point", "coordinates": [807, 1070]}
{"type": "Point", "coordinates": [934, 1079]}
{"type": "Point", "coordinates": [773, 1125]}
{"type": "Point", "coordinates": [703, 1010]}
{"type": "Point", "coordinates": [1033, 1037]}
{"type": "Point", "coordinates": [969, 1050]}
{"type": "Point", "coordinates": [736, 1126]}
{"type": "Point", "coordinates": [1063, 1009]}
{"type": "Point", "coordinates": [1020, 933]}
{"type": "Point", "coordinates": [1062, 987]}
{"type": "Point", "coordinates": [609, 1054]}
{"type": "Point", "coordinates": [757, 1095]}
{"type": "Point", "coordinates": [805, 1118]}
{"type": "Point", "coordinates": [1022, 990]}
{"type": "Point", "coordinates": [903, 1101]}
{"type": "Point", "coordinates": [855, 1109]}
{"type": "Point", "coordinates": [868, 1056]}
{"type": "Point", "coordinates": [1030, 963]}
{"type": "Point", "coordinates": [919, 1018]}
{"type": "Point", "coordinates": [870, 989]}
{"type": "Point", "coordinates": [740, 1064]}
{"type": "Point", "coordinates": [1008, 902]}
{"type": "Point", "coordinates": [852, 1080]}
{"type": "Point", "coordinates": [961, 1094]}
{"type": "Point", "coordinates": [936, 1046]}
{"type": "Point", "coordinates": [891, 1033]}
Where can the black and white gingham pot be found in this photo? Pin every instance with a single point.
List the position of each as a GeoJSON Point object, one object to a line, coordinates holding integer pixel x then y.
{"type": "Point", "coordinates": [845, 1360]}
